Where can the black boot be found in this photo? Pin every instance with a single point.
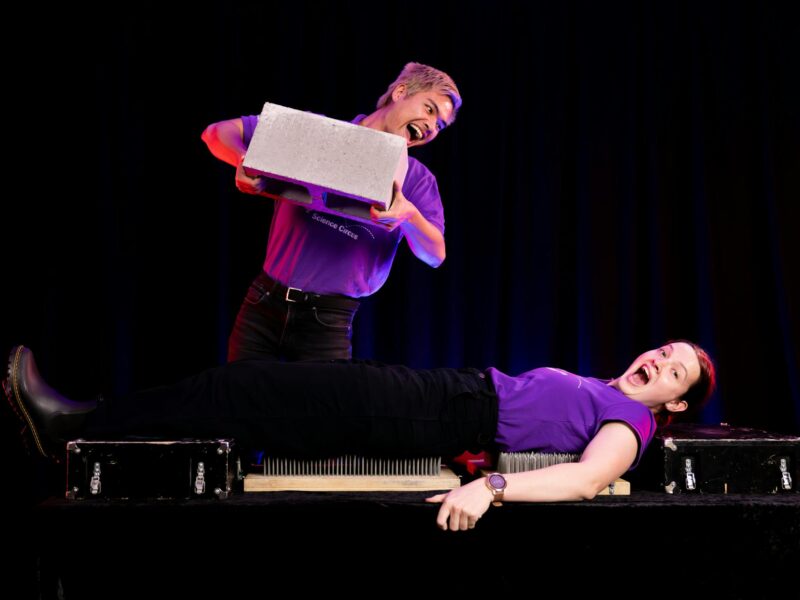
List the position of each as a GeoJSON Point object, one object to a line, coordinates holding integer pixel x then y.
{"type": "Point", "coordinates": [50, 419]}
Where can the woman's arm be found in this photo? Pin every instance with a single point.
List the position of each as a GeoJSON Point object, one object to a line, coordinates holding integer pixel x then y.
{"type": "Point", "coordinates": [610, 454]}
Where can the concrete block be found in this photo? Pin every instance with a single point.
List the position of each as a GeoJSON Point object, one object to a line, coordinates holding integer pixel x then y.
{"type": "Point", "coordinates": [325, 164]}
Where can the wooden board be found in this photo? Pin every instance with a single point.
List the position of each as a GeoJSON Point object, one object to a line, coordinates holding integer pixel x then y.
{"type": "Point", "coordinates": [446, 480]}
{"type": "Point", "coordinates": [620, 487]}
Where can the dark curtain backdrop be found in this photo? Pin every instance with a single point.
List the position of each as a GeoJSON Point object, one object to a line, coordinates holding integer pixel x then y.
{"type": "Point", "coordinates": [621, 173]}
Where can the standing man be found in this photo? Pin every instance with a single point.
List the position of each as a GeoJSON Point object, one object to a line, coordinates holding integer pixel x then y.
{"type": "Point", "coordinates": [302, 304]}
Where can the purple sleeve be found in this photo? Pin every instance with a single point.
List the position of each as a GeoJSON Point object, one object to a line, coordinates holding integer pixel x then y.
{"type": "Point", "coordinates": [640, 421]}
{"type": "Point", "coordinates": [421, 189]}
{"type": "Point", "coordinates": [249, 124]}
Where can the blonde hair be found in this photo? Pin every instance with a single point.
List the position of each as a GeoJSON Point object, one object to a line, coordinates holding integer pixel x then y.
{"type": "Point", "coordinates": [420, 78]}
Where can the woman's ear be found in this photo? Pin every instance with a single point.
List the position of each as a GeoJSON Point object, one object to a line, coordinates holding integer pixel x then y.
{"type": "Point", "coordinates": [676, 405]}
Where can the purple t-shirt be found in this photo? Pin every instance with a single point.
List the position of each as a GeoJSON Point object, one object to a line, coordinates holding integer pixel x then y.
{"type": "Point", "coordinates": [550, 410]}
{"type": "Point", "coordinates": [328, 254]}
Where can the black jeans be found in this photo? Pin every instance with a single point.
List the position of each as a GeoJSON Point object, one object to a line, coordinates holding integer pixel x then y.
{"type": "Point", "coordinates": [315, 409]}
{"type": "Point", "coordinates": [268, 326]}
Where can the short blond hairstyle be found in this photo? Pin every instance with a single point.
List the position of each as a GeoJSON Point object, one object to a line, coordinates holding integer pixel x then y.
{"type": "Point", "coordinates": [420, 78]}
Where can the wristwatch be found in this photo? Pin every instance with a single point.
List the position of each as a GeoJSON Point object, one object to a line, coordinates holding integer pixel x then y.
{"type": "Point", "coordinates": [497, 485]}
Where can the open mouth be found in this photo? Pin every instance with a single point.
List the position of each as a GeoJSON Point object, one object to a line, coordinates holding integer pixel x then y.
{"type": "Point", "coordinates": [414, 132]}
{"type": "Point", "coordinates": [640, 376]}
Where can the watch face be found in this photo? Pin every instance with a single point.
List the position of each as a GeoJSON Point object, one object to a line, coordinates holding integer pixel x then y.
{"type": "Point", "coordinates": [497, 481]}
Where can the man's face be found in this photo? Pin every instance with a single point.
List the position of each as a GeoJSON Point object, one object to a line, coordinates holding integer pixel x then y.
{"type": "Point", "coordinates": [661, 375]}
{"type": "Point", "coordinates": [418, 118]}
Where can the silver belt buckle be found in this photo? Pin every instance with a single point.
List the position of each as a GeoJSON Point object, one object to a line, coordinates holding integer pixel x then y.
{"type": "Point", "coordinates": [288, 290]}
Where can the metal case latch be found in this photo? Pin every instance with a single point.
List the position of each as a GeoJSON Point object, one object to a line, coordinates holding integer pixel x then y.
{"type": "Point", "coordinates": [94, 484]}
{"type": "Point", "coordinates": [786, 477]}
{"type": "Point", "coordinates": [691, 480]}
{"type": "Point", "coordinates": [200, 479]}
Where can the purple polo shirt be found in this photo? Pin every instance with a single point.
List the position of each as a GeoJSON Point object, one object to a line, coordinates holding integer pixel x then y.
{"type": "Point", "coordinates": [550, 410]}
{"type": "Point", "coordinates": [328, 254]}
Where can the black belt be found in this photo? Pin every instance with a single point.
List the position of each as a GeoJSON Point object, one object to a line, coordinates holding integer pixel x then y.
{"type": "Point", "coordinates": [294, 295]}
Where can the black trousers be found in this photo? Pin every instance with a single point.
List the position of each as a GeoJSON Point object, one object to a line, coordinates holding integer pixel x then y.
{"type": "Point", "coordinates": [267, 326]}
{"type": "Point", "coordinates": [315, 409]}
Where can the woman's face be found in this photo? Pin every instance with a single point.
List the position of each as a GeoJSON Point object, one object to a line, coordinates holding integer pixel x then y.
{"type": "Point", "coordinates": [661, 376]}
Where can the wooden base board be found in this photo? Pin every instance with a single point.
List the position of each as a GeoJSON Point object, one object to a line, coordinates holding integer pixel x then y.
{"type": "Point", "coordinates": [620, 487]}
{"type": "Point", "coordinates": [446, 480]}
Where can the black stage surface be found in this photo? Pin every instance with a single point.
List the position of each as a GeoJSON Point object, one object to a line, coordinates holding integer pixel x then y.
{"type": "Point", "coordinates": [387, 544]}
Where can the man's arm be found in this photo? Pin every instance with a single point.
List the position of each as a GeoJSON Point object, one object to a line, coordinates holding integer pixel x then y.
{"type": "Point", "coordinates": [225, 140]}
{"type": "Point", "coordinates": [424, 239]}
{"type": "Point", "coordinates": [610, 454]}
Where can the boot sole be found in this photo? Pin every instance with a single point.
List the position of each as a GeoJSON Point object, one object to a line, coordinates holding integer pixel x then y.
{"type": "Point", "coordinates": [11, 389]}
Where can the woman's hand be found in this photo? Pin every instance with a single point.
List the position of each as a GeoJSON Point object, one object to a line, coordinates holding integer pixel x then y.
{"type": "Point", "coordinates": [462, 507]}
